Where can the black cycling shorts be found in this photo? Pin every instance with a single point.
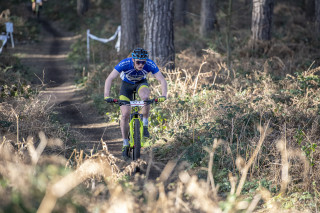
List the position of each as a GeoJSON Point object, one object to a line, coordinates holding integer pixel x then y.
{"type": "Point", "coordinates": [126, 90]}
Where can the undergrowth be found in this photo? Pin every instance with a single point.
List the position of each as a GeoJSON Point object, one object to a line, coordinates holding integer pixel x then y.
{"type": "Point", "coordinates": [231, 139]}
{"type": "Point", "coordinates": [277, 84]}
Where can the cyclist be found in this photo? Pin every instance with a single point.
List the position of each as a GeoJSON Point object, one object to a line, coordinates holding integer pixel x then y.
{"type": "Point", "coordinates": [133, 72]}
{"type": "Point", "coordinates": [36, 6]}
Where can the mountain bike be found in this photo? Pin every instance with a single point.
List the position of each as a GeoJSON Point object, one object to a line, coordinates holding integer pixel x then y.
{"type": "Point", "coordinates": [36, 7]}
{"type": "Point", "coordinates": [136, 139]}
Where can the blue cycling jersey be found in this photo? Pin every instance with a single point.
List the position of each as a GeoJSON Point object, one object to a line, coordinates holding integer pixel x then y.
{"type": "Point", "coordinates": [129, 74]}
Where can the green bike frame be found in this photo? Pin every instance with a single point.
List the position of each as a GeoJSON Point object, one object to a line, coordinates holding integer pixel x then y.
{"type": "Point", "coordinates": [136, 138]}
{"type": "Point", "coordinates": [135, 116]}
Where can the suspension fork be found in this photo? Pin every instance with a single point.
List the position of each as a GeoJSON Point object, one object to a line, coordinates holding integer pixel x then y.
{"type": "Point", "coordinates": [134, 116]}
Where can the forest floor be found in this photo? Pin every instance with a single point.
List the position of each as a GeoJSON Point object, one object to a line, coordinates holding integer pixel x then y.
{"type": "Point", "coordinates": [48, 62]}
{"type": "Point", "coordinates": [47, 59]}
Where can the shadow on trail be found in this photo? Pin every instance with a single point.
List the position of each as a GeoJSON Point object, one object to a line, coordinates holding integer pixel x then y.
{"type": "Point", "coordinates": [55, 76]}
{"type": "Point", "coordinates": [71, 105]}
{"type": "Point", "coordinates": [47, 64]}
{"type": "Point", "coordinates": [48, 27]}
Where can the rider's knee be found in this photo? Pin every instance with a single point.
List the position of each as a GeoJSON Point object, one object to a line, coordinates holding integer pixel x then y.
{"type": "Point", "coordinates": [144, 93]}
{"type": "Point", "coordinates": [145, 96]}
{"type": "Point", "coordinates": [125, 116]}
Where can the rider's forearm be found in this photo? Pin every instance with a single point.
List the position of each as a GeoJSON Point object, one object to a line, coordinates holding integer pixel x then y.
{"type": "Point", "coordinates": [108, 82]}
{"type": "Point", "coordinates": [163, 82]}
{"type": "Point", "coordinates": [107, 87]}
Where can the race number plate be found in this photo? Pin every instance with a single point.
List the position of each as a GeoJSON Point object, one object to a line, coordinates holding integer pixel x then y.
{"type": "Point", "coordinates": [137, 103]}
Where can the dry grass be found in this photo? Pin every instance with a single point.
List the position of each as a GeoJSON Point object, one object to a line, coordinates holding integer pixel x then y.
{"type": "Point", "coordinates": [101, 174]}
{"type": "Point", "coordinates": [237, 118]}
{"type": "Point", "coordinates": [210, 101]}
{"type": "Point", "coordinates": [233, 109]}
{"type": "Point", "coordinates": [26, 117]}
{"type": "Point", "coordinates": [95, 182]}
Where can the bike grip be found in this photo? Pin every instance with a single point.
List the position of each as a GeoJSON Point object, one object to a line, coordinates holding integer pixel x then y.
{"type": "Point", "coordinates": [161, 99]}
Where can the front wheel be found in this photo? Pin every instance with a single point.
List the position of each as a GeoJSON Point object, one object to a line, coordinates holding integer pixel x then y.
{"type": "Point", "coordinates": [137, 140]}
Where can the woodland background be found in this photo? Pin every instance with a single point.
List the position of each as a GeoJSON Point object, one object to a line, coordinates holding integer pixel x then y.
{"type": "Point", "coordinates": [238, 133]}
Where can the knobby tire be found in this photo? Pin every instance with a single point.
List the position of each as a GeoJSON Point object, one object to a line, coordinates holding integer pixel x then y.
{"type": "Point", "coordinates": [137, 140]}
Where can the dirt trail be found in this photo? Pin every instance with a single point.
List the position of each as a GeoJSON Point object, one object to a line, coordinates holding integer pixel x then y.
{"type": "Point", "coordinates": [48, 61]}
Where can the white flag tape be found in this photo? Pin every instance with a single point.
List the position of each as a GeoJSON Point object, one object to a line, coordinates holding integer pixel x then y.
{"type": "Point", "coordinates": [4, 39]}
{"type": "Point", "coordinates": [103, 40]}
{"type": "Point", "coordinates": [9, 29]}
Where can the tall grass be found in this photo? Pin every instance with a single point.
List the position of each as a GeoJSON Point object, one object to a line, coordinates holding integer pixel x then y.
{"type": "Point", "coordinates": [243, 138]}
{"type": "Point", "coordinates": [231, 109]}
{"type": "Point", "coordinates": [101, 177]}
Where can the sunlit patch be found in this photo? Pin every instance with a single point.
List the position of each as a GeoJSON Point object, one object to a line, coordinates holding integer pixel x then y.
{"type": "Point", "coordinates": [70, 38]}
{"type": "Point", "coordinates": [49, 56]}
{"type": "Point", "coordinates": [62, 89]}
{"type": "Point", "coordinates": [92, 126]}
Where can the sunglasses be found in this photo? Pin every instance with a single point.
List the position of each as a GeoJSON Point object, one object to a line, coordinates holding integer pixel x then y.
{"type": "Point", "coordinates": [141, 62]}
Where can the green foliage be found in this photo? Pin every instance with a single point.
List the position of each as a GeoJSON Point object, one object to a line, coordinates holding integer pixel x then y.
{"type": "Point", "coordinates": [7, 91]}
{"type": "Point", "coordinates": [81, 82]}
{"type": "Point", "coordinates": [99, 102]}
{"type": "Point", "coordinates": [196, 133]}
{"type": "Point", "coordinates": [158, 119]}
{"type": "Point", "coordinates": [306, 146]}
{"type": "Point", "coordinates": [307, 81]}
{"type": "Point", "coordinates": [252, 186]}
{"type": "Point", "coordinates": [14, 80]}
{"type": "Point", "coordinates": [77, 55]}
{"type": "Point", "coordinates": [294, 200]}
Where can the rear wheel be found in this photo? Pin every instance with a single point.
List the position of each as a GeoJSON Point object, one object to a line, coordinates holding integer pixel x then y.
{"type": "Point", "coordinates": [137, 140]}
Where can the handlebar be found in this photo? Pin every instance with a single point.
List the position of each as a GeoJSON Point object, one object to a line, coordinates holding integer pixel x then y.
{"type": "Point", "coordinates": [135, 103]}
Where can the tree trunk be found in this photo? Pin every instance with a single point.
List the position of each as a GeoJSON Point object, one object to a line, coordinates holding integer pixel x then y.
{"type": "Point", "coordinates": [247, 2]}
{"type": "Point", "coordinates": [208, 17]}
{"type": "Point", "coordinates": [180, 9]}
{"type": "Point", "coordinates": [82, 7]}
{"type": "Point", "coordinates": [129, 26]}
{"type": "Point", "coordinates": [262, 12]}
{"type": "Point", "coordinates": [309, 7]}
{"type": "Point", "coordinates": [317, 14]}
{"type": "Point", "coordinates": [158, 27]}
{"type": "Point", "coordinates": [229, 19]}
